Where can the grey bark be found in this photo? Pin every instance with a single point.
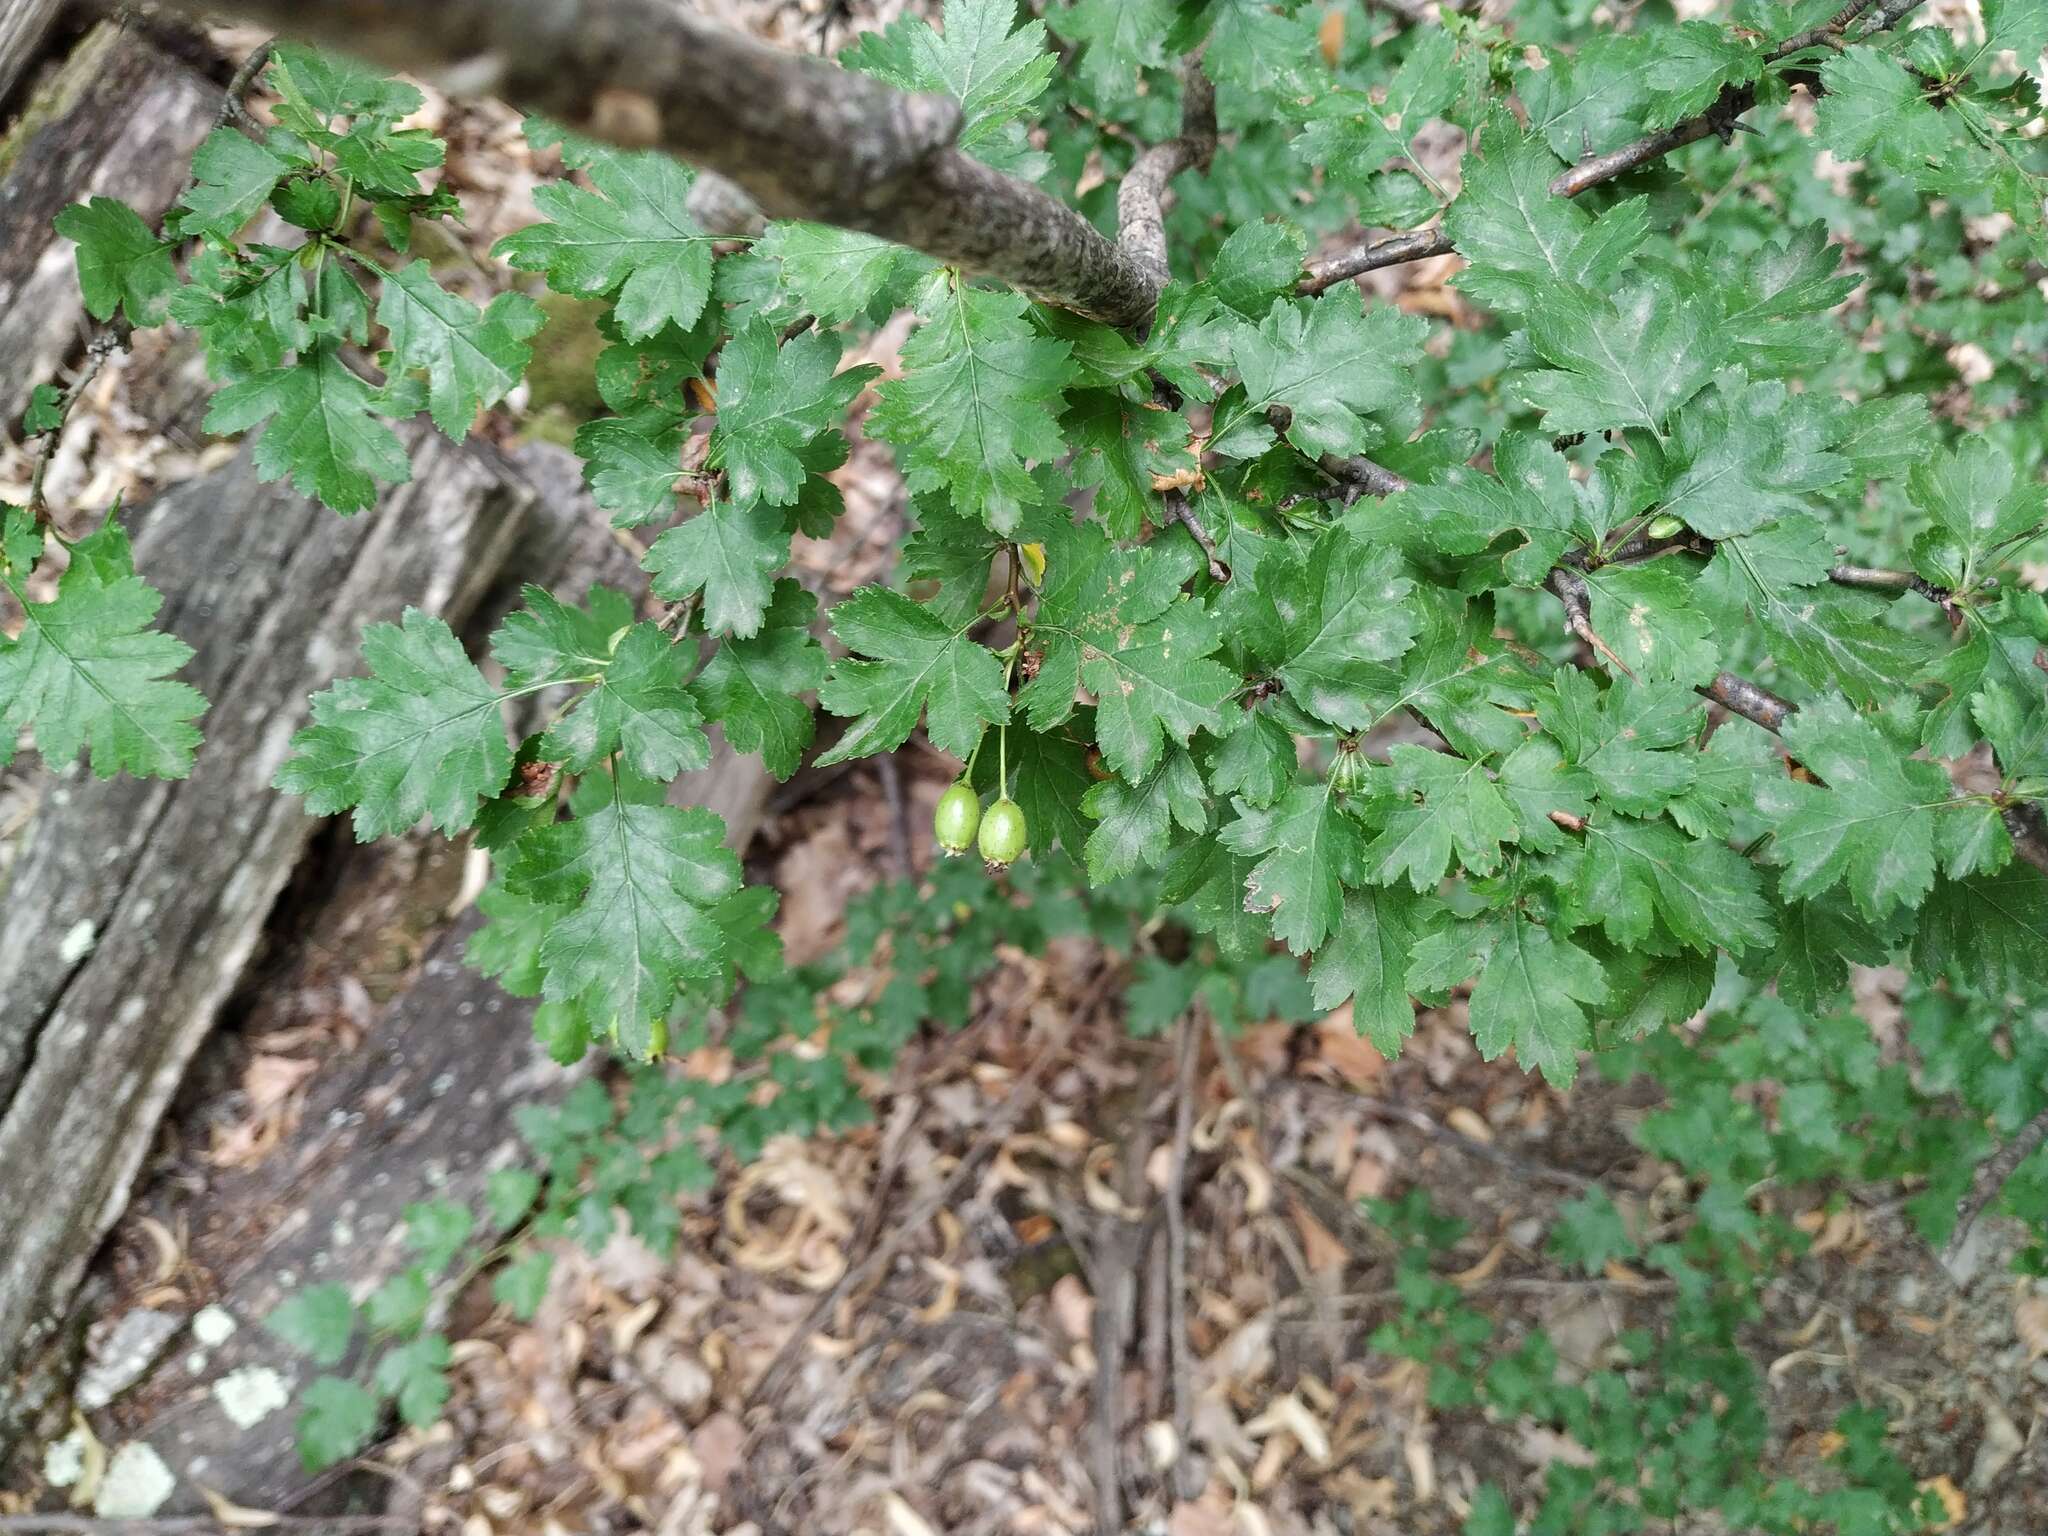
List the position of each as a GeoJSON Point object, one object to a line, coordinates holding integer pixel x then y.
{"type": "Point", "coordinates": [801, 137]}
{"type": "Point", "coordinates": [118, 119]}
{"type": "Point", "coordinates": [133, 906]}
{"type": "Point", "coordinates": [422, 1110]}
{"type": "Point", "coordinates": [23, 26]}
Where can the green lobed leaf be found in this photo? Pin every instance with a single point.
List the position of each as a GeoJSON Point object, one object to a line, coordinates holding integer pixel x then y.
{"type": "Point", "coordinates": [916, 663]}
{"type": "Point", "coordinates": [422, 735]}
{"type": "Point", "coordinates": [324, 429]}
{"type": "Point", "coordinates": [122, 266]}
{"type": "Point", "coordinates": [978, 401]}
{"type": "Point", "coordinates": [1310, 847]}
{"type": "Point", "coordinates": [754, 686]}
{"type": "Point", "coordinates": [471, 358]}
{"type": "Point", "coordinates": [87, 674]}
{"type": "Point", "coordinates": [640, 881]}
{"type": "Point", "coordinates": [625, 237]}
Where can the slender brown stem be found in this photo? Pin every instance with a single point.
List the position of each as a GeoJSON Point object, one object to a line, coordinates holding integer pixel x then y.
{"type": "Point", "coordinates": [1750, 700]}
{"type": "Point", "coordinates": [1370, 256]}
{"type": "Point", "coordinates": [1719, 120]}
{"type": "Point", "coordinates": [1991, 1177]}
{"type": "Point", "coordinates": [1181, 512]}
{"type": "Point", "coordinates": [105, 342]}
{"type": "Point", "coordinates": [1356, 470]}
{"type": "Point", "coordinates": [1177, 1250]}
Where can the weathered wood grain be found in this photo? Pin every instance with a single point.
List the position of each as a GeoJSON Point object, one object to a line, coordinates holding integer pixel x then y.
{"type": "Point", "coordinates": [23, 26]}
{"type": "Point", "coordinates": [133, 906]}
{"type": "Point", "coordinates": [119, 119]}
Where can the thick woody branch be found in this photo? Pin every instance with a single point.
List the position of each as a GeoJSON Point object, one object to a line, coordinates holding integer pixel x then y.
{"type": "Point", "coordinates": [798, 136]}
{"type": "Point", "coordinates": [1721, 120]}
{"type": "Point", "coordinates": [1142, 201]}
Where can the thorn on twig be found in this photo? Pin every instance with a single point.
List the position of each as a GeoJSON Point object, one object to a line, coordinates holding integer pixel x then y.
{"type": "Point", "coordinates": [1180, 511]}
{"type": "Point", "coordinates": [1570, 588]}
{"type": "Point", "coordinates": [1346, 491]}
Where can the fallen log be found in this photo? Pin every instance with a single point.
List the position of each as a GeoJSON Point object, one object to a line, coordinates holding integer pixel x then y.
{"type": "Point", "coordinates": [23, 26]}
{"type": "Point", "coordinates": [118, 118]}
{"type": "Point", "coordinates": [132, 907]}
{"type": "Point", "coordinates": [422, 1108]}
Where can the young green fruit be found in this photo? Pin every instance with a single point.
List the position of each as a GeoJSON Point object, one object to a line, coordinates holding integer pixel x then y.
{"type": "Point", "coordinates": [1002, 833]}
{"type": "Point", "coordinates": [1663, 527]}
{"type": "Point", "coordinates": [959, 813]}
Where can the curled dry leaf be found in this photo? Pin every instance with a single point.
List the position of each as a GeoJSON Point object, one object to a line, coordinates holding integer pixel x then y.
{"type": "Point", "coordinates": [1954, 1506]}
{"type": "Point", "coordinates": [1258, 1184]}
{"type": "Point", "coordinates": [903, 1520]}
{"type": "Point", "coordinates": [1290, 1415]}
{"type": "Point", "coordinates": [2030, 1323]}
{"type": "Point", "coordinates": [1467, 1122]}
{"type": "Point", "coordinates": [1480, 1273]}
{"type": "Point", "coordinates": [1421, 1465]}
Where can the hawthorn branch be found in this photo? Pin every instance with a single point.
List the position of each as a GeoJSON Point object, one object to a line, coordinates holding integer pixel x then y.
{"type": "Point", "coordinates": [1991, 1177]}
{"type": "Point", "coordinates": [1142, 199]}
{"type": "Point", "coordinates": [1721, 119]}
{"type": "Point", "coordinates": [1733, 692]}
{"type": "Point", "coordinates": [800, 137]}
{"type": "Point", "coordinates": [1570, 589]}
{"type": "Point", "coordinates": [1356, 470]}
{"type": "Point", "coordinates": [105, 342]}
{"type": "Point", "coordinates": [1641, 546]}
{"type": "Point", "coordinates": [112, 337]}
{"type": "Point", "coordinates": [1179, 509]}
{"type": "Point", "coordinates": [1752, 701]}
{"type": "Point", "coordinates": [1370, 256]}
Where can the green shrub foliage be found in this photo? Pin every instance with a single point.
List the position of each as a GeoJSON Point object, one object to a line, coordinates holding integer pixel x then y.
{"type": "Point", "coordinates": [1697, 435]}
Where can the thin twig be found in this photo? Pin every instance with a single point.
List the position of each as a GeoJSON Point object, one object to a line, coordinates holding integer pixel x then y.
{"type": "Point", "coordinates": [1370, 256]}
{"type": "Point", "coordinates": [1369, 478]}
{"type": "Point", "coordinates": [1991, 1177]}
{"type": "Point", "coordinates": [1356, 470]}
{"type": "Point", "coordinates": [234, 108]}
{"type": "Point", "coordinates": [1721, 120]}
{"type": "Point", "coordinates": [1572, 592]}
{"type": "Point", "coordinates": [112, 337]}
{"type": "Point", "coordinates": [1828, 33]}
{"type": "Point", "coordinates": [105, 342]}
{"type": "Point", "coordinates": [1179, 509]}
{"type": "Point", "coordinates": [1504, 1285]}
{"type": "Point", "coordinates": [899, 814]}
{"type": "Point", "coordinates": [1750, 700]}
{"type": "Point", "coordinates": [1177, 1252]}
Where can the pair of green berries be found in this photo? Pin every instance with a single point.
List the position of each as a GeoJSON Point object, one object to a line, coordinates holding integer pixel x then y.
{"type": "Point", "coordinates": [959, 818]}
